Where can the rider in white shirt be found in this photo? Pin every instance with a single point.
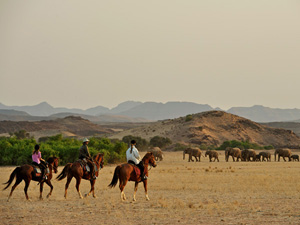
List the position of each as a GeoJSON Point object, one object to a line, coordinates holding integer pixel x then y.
{"type": "Point", "coordinates": [132, 154]}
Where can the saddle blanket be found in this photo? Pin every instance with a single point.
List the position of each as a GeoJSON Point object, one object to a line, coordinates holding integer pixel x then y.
{"type": "Point", "coordinates": [136, 169]}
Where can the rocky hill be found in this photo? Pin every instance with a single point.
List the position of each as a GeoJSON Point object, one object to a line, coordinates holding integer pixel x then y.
{"type": "Point", "coordinates": [70, 126]}
{"type": "Point", "coordinates": [213, 128]}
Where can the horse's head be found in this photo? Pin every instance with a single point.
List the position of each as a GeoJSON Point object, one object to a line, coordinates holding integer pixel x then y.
{"type": "Point", "coordinates": [149, 157]}
{"type": "Point", "coordinates": [54, 162]}
{"type": "Point", "coordinates": [99, 158]}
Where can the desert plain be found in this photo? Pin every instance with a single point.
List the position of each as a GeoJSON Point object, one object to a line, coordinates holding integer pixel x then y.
{"type": "Point", "coordinates": [180, 192]}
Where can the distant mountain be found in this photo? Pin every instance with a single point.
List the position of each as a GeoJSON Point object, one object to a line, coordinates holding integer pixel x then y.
{"type": "Point", "coordinates": [124, 107]}
{"type": "Point", "coordinates": [213, 128]}
{"type": "Point", "coordinates": [149, 111]}
{"type": "Point", "coordinates": [130, 109]}
{"type": "Point", "coordinates": [13, 112]}
{"type": "Point", "coordinates": [169, 110]}
{"type": "Point", "coordinates": [260, 113]}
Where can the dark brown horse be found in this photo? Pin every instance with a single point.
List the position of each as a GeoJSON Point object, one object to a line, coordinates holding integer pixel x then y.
{"type": "Point", "coordinates": [75, 170]}
{"type": "Point", "coordinates": [126, 172]}
{"type": "Point", "coordinates": [26, 173]}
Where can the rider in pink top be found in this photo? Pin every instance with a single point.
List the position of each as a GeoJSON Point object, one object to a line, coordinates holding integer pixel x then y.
{"type": "Point", "coordinates": [38, 161]}
{"type": "Point", "coordinates": [36, 157]}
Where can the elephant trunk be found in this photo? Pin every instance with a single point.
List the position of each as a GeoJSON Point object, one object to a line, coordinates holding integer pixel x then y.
{"type": "Point", "coordinates": [183, 154]}
{"type": "Point", "coordinates": [275, 155]}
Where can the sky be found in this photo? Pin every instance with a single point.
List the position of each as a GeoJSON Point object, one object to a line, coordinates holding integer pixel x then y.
{"type": "Point", "coordinates": [82, 54]}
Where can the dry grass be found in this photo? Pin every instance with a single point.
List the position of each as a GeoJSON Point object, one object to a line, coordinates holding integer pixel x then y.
{"type": "Point", "coordinates": [180, 192]}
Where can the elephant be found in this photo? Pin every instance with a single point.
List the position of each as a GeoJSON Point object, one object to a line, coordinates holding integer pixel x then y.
{"type": "Point", "coordinates": [295, 157]}
{"type": "Point", "coordinates": [257, 158]}
{"type": "Point", "coordinates": [157, 152]}
{"type": "Point", "coordinates": [247, 154]}
{"type": "Point", "coordinates": [212, 154]}
{"type": "Point", "coordinates": [196, 152]}
{"type": "Point", "coordinates": [283, 152]}
{"type": "Point", "coordinates": [234, 152]}
{"type": "Point", "coordinates": [264, 155]}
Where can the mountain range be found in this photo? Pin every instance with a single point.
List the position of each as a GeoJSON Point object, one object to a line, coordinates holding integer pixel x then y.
{"type": "Point", "coordinates": [134, 111]}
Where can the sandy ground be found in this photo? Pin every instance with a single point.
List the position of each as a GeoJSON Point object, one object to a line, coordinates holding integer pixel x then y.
{"type": "Point", "coordinates": [180, 192]}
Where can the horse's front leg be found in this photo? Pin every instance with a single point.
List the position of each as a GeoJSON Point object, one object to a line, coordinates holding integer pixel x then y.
{"type": "Point", "coordinates": [135, 190]}
{"type": "Point", "coordinates": [92, 189]}
{"type": "Point", "coordinates": [78, 180]}
{"type": "Point", "coordinates": [146, 190]}
{"type": "Point", "coordinates": [41, 190]}
{"type": "Point", "coordinates": [51, 188]}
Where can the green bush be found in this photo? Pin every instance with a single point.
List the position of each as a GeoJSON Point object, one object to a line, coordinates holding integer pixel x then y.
{"type": "Point", "coordinates": [161, 142]}
{"type": "Point", "coordinates": [14, 151]}
{"type": "Point", "coordinates": [188, 118]}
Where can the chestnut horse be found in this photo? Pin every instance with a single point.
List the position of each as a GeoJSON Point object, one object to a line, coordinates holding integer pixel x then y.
{"type": "Point", "coordinates": [126, 172]}
{"type": "Point", "coordinates": [26, 173]}
{"type": "Point", "coordinates": [75, 170]}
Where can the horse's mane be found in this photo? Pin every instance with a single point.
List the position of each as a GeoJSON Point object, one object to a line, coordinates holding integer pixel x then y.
{"type": "Point", "coordinates": [51, 159]}
{"type": "Point", "coordinates": [147, 155]}
{"type": "Point", "coordinates": [98, 155]}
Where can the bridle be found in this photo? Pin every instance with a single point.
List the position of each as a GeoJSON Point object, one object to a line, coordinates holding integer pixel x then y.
{"type": "Point", "coordinates": [99, 164]}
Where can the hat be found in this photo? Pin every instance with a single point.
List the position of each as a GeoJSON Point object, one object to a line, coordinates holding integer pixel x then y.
{"type": "Point", "coordinates": [85, 140]}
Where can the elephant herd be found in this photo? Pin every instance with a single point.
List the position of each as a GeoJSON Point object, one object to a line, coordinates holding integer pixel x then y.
{"type": "Point", "coordinates": [238, 154]}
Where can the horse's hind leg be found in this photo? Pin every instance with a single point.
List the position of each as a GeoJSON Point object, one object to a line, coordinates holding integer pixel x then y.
{"type": "Point", "coordinates": [27, 182]}
{"type": "Point", "coordinates": [51, 188]}
{"type": "Point", "coordinates": [92, 189]}
{"type": "Point", "coordinates": [78, 180]}
{"type": "Point", "coordinates": [67, 185]}
{"type": "Point", "coordinates": [122, 186]}
{"type": "Point", "coordinates": [18, 181]}
{"type": "Point", "coordinates": [135, 190]}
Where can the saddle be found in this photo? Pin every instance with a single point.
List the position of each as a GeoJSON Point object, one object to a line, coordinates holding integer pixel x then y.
{"type": "Point", "coordinates": [135, 167]}
{"type": "Point", "coordinates": [85, 166]}
{"type": "Point", "coordinates": [38, 172]}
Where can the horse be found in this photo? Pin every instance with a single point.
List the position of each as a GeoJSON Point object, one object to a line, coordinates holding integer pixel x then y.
{"type": "Point", "coordinates": [75, 170]}
{"type": "Point", "coordinates": [26, 173]}
{"type": "Point", "coordinates": [126, 172]}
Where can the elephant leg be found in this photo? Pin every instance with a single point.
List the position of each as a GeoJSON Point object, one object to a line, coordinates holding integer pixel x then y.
{"type": "Point", "coordinates": [233, 158]}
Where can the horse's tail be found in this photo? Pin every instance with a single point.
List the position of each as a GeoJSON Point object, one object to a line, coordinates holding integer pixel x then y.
{"type": "Point", "coordinates": [114, 180]}
{"type": "Point", "coordinates": [65, 172]}
{"type": "Point", "coordinates": [12, 177]}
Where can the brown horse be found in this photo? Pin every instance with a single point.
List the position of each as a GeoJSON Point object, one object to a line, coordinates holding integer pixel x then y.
{"type": "Point", "coordinates": [26, 173]}
{"type": "Point", "coordinates": [75, 170]}
{"type": "Point", "coordinates": [126, 172]}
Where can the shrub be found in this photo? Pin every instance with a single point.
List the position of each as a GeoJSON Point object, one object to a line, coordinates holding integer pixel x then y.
{"type": "Point", "coordinates": [188, 118]}
{"type": "Point", "coordinates": [161, 142]}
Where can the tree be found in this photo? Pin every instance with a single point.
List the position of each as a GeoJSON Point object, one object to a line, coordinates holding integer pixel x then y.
{"type": "Point", "coordinates": [161, 142]}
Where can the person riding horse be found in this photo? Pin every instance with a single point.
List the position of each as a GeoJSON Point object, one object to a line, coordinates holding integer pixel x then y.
{"type": "Point", "coordinates": [85, 155]}
{"type": "Point", "coordinates": [37, 160]}
{"type": "Point", "coordinates": [133, 157]}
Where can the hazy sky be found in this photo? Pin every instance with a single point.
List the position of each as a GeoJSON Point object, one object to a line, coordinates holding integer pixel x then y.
{"type": "Point", "coordinates": [81, 54]}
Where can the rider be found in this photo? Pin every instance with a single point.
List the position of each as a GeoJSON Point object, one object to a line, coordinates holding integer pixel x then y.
{"type": "Point", "coordinates": [132, 156]}
{"type": "Point", "coordinates": [85, 155]}
{"type": "Point", "coordinates": [38, 161]}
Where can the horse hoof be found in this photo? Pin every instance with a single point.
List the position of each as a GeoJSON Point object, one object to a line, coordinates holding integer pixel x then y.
{"type": "Point", "coordinates": [48, 196]}
{"type": "Point", "coordinates": [95, 196]}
